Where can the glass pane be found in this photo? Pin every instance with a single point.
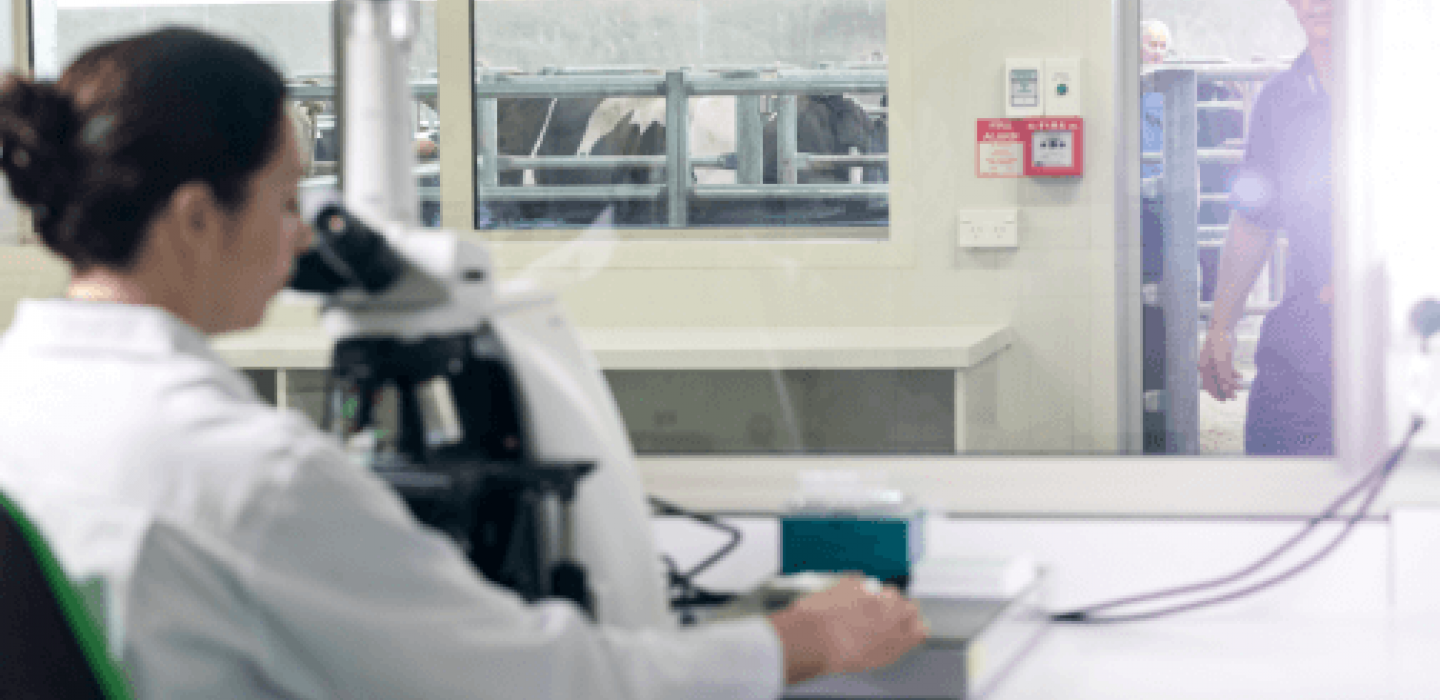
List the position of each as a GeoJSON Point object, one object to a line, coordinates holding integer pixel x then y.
{"type": "Point", "coordinates": [940, 348]}
{"type": "Point", "coordinates": [574, 113]}
{"type": "Point", "coordinates": [295, 36]}
{"type": "Point", "coordinates": [834, 361]}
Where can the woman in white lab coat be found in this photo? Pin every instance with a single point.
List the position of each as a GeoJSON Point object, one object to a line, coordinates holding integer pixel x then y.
{"type": "Point", "coordinates": [240, 554]}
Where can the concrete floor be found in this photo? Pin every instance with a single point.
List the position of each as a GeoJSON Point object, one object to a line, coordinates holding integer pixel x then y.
{"type": "Point", "coordinates": [1222, 425]}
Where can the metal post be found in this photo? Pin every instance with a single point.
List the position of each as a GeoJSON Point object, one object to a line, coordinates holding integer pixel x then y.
{"type": "Point", "coordinates": [379, 150]}
{"type": "Point", "coordinates": [788, 139]}
{"type": "Point", "coordinates": [749, 135]}
{"type": "Point", "coordinates": [282, 388]}
{"type": "Point", "coordinates": [489, 137]}
{"type": "Point", "coordinates": [857, 173]}
{"type": "Point", "coordinates": [677, 137]}
{"type": "Point", "coordinates": [339, 24]}
{"type": "Point", "coordinates": [1179, 286]}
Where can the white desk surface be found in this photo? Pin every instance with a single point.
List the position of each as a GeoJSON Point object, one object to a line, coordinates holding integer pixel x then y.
{"type": "Point", "coordinates": [1221, 659]}
{"type": "Point", "coordinates": [957, 347]}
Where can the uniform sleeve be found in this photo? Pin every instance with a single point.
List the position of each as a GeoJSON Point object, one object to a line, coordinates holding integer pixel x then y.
{"type": "Point", "coordinates": [1256, 189]}
{"type": "Point", "coordinates": [356, 596]}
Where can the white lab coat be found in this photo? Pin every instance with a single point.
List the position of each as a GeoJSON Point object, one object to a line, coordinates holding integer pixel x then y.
{"type": "Point", "coordinates": [243, 556]}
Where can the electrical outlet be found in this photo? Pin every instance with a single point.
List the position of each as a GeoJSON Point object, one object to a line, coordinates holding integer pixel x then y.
{"type": "Point", "coordinates": [1005, 229]}
{"type": "Point", "coordinates": [994, 228]}
{"type": "Point", "coordinates": [970, 231]}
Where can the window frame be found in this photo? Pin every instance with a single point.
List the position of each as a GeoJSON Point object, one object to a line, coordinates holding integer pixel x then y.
{"type": "Point", "coordinates": [748, 248]}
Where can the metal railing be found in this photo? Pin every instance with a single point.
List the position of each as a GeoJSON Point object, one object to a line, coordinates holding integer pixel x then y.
{"type": "Point", "coordinates": [676, 87]}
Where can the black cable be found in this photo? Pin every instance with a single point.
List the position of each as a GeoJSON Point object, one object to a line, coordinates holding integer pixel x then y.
{"type": "Point", "coordinates": [690, 593]}
{"type": "Point", "coordinates": [667, 508]}
{"type": "Point", "coordinates": [1376, 480]}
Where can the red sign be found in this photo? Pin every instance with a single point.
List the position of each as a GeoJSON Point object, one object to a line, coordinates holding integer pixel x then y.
{"type": "Point", "coordinates": [999, 148]}
{"type": "Point", "coordinates": [1054, 146]}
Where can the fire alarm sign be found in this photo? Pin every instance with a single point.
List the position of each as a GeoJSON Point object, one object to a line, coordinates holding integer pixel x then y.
{"type": "Point", "coordinates": [999, 149]}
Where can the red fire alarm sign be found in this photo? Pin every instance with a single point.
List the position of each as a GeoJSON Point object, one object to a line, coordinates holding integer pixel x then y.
{"type": "Point", "coordinates": [1054, 146]}
{"type": "Point", "coordinates": [999, 149]}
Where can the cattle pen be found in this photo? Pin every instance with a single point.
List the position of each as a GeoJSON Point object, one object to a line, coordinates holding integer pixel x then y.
{"type": "Point", "coordinates": [759, 93]}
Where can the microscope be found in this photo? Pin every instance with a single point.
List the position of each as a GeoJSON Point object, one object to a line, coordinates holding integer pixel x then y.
{"type": "Point", "coordinates": [474, 398]}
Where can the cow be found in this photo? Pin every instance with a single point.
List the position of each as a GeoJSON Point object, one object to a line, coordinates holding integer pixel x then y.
{"type": "Point", "coordinates": [827, 124]}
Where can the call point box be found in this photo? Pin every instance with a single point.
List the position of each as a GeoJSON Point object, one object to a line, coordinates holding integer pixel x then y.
{"type": "Point", "coordinates": [1054, 146]}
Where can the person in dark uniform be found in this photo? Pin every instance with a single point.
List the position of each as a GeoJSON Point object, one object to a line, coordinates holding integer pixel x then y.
{"type": "Point", "coordinates": [1284, 184]}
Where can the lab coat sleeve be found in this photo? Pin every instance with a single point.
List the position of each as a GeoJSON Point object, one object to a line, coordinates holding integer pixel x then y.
{"type": "Point", "coordinates": [355, 595]}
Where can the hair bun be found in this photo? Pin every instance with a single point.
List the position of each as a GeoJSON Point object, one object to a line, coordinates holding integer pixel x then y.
{"type": "Point", "coordinates": [37, 125]}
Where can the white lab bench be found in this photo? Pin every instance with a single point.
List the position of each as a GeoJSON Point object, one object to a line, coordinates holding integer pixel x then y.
{"type": "Point", "coordinates": [967, 351]}
{"type": "Point", "coordinates": [1377, 657]}
{"type": "Point", "coordinates": [1345, 630]}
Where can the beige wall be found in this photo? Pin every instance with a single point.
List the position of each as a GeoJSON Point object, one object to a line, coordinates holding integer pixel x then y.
{"type": "Point", "coordinates": [1058, 381]}
{"type": "Point", "coordinates": [27, 272]}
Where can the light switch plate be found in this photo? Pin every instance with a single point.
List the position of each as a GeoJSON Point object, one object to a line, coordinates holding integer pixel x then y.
{"type": "Point", "coordinates": [1024, 87]}
{"type": "Point", "coordinates": [988, 228]}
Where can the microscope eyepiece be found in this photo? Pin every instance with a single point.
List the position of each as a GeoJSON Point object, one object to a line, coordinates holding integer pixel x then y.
{"type": "Point", "coordinates": [347, 254]}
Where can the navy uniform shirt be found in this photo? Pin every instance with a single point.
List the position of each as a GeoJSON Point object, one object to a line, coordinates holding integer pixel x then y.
{"type": "Point", "coordinates": [1285, 184]}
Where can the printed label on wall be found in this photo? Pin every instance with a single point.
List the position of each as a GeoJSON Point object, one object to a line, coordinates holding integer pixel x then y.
{"type": "Point", "coordinates": [999, 149]}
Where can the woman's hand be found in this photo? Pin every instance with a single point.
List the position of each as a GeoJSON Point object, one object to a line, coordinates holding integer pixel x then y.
{"type": "Point", "coordinates": [853, 626]}
{"type": "Point", "coordinates": [1217, 366]}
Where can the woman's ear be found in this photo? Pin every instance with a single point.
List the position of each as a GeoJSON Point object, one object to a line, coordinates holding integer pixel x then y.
{"type": "Point", "coordinates": [195, 218]}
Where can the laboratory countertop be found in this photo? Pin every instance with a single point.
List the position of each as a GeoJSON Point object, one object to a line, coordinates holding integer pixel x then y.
{"type": "Point", "coordinates": [1211, 659]}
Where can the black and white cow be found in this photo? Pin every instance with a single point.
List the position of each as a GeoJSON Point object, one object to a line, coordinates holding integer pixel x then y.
{"type": "Point", "coordinates": [636, 126]}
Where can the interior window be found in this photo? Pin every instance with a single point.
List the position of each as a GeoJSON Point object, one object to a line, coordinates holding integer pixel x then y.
{"type": "Point", "coordinates": [295, 36]}
{"type": "Point", "coordinates": [682, 114]}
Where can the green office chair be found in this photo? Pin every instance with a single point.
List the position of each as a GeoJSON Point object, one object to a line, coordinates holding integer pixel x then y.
{"type": "Point", "coordinates": [50, 648]}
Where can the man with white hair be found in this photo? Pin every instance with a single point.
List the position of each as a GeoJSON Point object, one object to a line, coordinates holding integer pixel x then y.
{"type": "Point", "coordinates": [1155, 41]}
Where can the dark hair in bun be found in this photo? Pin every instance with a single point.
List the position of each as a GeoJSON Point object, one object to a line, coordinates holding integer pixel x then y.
{"type": "Point", "coordinates": [98, 153]}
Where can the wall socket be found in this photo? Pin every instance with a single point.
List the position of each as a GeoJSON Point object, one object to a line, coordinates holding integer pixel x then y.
{"type": "Point", "coordinates": [988, 228]}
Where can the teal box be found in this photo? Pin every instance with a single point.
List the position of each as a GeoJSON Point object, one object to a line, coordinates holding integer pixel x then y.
{"type": "Point", "coordinates": [882, 547]}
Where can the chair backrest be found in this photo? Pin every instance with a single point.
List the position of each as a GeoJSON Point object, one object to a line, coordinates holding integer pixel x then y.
{"type": "Point", "coordinates": [49, 645]}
